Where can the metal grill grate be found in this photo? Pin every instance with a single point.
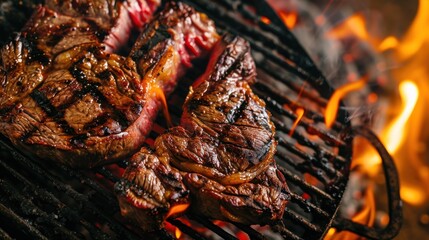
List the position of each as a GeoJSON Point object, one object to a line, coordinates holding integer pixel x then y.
{"type": "Point", "coordinates": [42, 201]}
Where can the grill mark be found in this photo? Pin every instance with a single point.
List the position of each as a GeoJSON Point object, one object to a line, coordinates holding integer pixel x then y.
{"type": "Point", "coordinates": [79, 140]}
{"type": "Point", "coordinates": [51, 111]}
{"type": "Point", "coordinates": [5, 110]}
{"type": "Point", "coordinates": [160, 34]}
{"type": "Point", "coordinates": [99, 32]}
{"type": "Point", "coordinates": [44, 103]}
{"type": "Point", "coordinates": [237, 111]}
{"type": "Point", "coordinates": [97, 122]}
{"type": "Point", "coordinates": [92, 88]}
{"type": "Point", "coordinates": [34, 53]}
{"type": "Point", "coordinates": [59, 33]}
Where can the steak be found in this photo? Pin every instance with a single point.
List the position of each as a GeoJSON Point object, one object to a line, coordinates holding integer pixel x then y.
{"type": "Point", "coordinates": [222, 152]}
{"type": "Point", "coordinates": [65, 97]}
{"type": "Point", "coordinates": [112, 19]}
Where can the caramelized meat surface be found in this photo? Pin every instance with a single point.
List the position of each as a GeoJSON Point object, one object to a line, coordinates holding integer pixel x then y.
{"type": "Point", "coordinates": [224, 150]}
{"type": "Point", "coordinates": [64, 96]}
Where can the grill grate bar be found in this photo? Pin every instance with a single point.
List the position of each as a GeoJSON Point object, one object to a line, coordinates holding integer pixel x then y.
{"type": "Point", "coordinates": [311, 163]}
{"type": "Point", "coordinates": [253, 234]}
{"type": "Point", "coordinates": [259, 44]}
{"type": "Point", "coordinates": [304, 169]}
{"type": "Point", "coordinates": [304, 185]}
{"type": "Point", "coordinates": [291, 215]}
{"type": "Point", "coordinates": [186, 229]}
{"type": "Point", "coordinates": [310, 207]}
{"type": "Point", "coordinates": [327, 137]}
{"type": "Point", "coordinates": [14, 220]}
{"type": "Point", "coordinates": [296, 64]}
{"type": "Point", "coordinates": [28, 207]}
{"type": "Point", "coordinates": [4, 235]}
{"type": "Point", "coordinates": [290, 81]}
{"type": "Point", "coordinates": [108, 198]}
{"type": "Point", "coordinates": [281, 100]}
{"type": "Point", "coordinates": [306, 142]}
{"type": "Point", "coordinates": [286, 234]}
{"type": "Point", "coordinates": [213, 227]}
{"type": "Point", "coordinates": [107, 174]}
{"type": "Point", "coordinates": [82, 200]}
{"type": "Point", "coordinates": [277, 100]}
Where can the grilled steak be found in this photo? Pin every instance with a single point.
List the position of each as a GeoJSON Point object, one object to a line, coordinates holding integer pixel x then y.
{"type": "Point", "coordinates": [224, 149]}
{"type": "Point", "coordinates": [64, 97]}
{"type": "Point", "coordinates": [112, 19]}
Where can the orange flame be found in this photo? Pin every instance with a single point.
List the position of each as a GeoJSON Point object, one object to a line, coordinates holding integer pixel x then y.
{"type": "Point", "coordinates": [289, 18]}
{"type": "Point", "coordinates": [160, 94]}
{"type": "Point", "coordinates": [394, 134]}
{"type": "Point", "coordinates": [416, 35]}
{"type": "Point", "coordinates": [365, 216]}
{"type": "Point", "coordinates": [177, 209]}
{"type": "Point", "coordinates": [352, 26]}
{"type": "Point", "coordinates": [299, 112]}
{"type": "Point", "coordinates": [413, 194]}
{"type": "Point", "coordinates": [340, 93]}
{"type": "Point", "coordinates": [390, 42]}
{"type": "Point", "coordinates": [177, 233]}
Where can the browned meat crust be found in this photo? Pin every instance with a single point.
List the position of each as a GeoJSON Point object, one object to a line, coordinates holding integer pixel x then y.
{"type": "Point", "coordinates": [64, 97]}
{"type": "Point", "coordinates": [224, 149]}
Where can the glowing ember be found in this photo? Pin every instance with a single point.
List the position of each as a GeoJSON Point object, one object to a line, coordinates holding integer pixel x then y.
{"type": "Point", "coordinates": [177, 233]}
{"type": "Point", "coordinates": [160, 94]}
{"type": "Point", "coordinates": [177, 209]}
{"type": "Point", "coordinates": [299, 112]}
{"type": "Point", "coordinates": [290, 19]}
{"type": "Point", "coordinates": [265, 20]}
{"type": "Point", "coordinates": [340, 93]}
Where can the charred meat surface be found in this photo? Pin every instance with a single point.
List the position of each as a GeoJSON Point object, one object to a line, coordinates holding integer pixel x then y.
{"type": "Point", "coordinates": [112, 19]}
{"type": "Point", "coordinates": [65, 97]}
{"type": "Point", "coordinates": [149, 189]}
{"type": "Point", "coordinates": [224, 149]}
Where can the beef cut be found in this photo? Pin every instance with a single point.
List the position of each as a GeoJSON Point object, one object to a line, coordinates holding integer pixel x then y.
{"type": "Point", "coordinates": [222, 153]}
{"type": "Point", "coordinates": [66, 97]}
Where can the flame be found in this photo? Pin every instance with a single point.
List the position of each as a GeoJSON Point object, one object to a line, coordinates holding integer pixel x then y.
{"type": "Point", "coordinates": [353, 26]}
{"type": "Point", "coordinates": [340, 93]}
{"type": "Point", "coordinates": [416, 35]}
{"type": "Point", "coordinates": [160, 94]}
{"type": "Point", "coordinates": [289, 18]}
{"type": "Point", "coordinates": [394, 134]}
{"type": "Point", "coordinates": [412, 195]}
{"type": "Point", "coordinates": [299, 112]}
{"type": "Point", "coordinates": [177, 233]}
{"type": "Point", "coordinates": [177, 209]}
{"type": "Point", "coordinates": [389, 42]}
{"type": "Point", "coordinates": [411, 56]}
{"type": "Point", "coordinates": [365, 216]}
